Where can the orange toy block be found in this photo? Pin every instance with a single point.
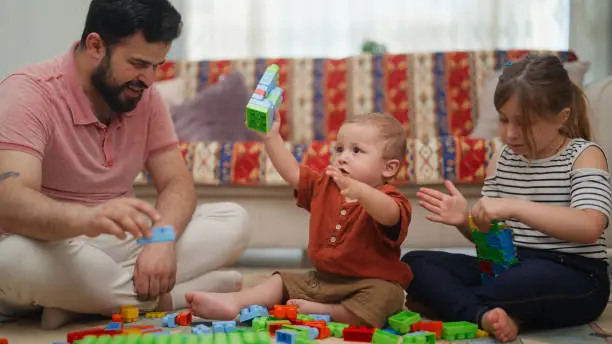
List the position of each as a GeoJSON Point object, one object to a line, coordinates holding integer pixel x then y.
{"type": "Point", "coordinates": [429, 326]}
{"type": "Point", "coordinates": [285, 312]}
{"type": "Point", "coordinates": [276, 325]}
{"type": "Point", "coordinates": [132, 331]}
{"type": "Point", "coordinates": [183, 319]}
{"type": "Point", "coordinates": [117, 318]}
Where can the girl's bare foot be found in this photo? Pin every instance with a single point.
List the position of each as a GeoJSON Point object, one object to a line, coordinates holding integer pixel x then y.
{"type": "Point", "coordinates": [498, 323]}
{"type": "Point", "coordinates": [213, 306]}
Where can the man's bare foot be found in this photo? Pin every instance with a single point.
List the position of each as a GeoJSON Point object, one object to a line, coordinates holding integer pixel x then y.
{"type": "Point", "coordinates": [310, 307]}
{"type": "Point", "coordinates": [498, 323]}
{"type": "Point", "coordinates": [213, 306]}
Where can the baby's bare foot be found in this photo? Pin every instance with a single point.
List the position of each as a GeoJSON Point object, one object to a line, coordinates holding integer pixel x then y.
{"type": "Point", "coordinates": [213, 306]}
{"type": "Point", "coordinates": [500, 324]}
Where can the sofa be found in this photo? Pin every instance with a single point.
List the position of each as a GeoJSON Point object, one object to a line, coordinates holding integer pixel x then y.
{"type": "Point", "coordinates": [434, 95]}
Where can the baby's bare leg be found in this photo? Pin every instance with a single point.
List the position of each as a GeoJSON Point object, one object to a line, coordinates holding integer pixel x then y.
{"type": "Point", "coordinates": [226, 306]}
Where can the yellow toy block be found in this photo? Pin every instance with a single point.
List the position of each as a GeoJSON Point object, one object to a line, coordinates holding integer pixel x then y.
{"type": "Point", "coordinates": [155, 314]}
{"type": "Point", "coordinates": [481, 334]}
{"type": "Point", "coordinates": [129, 314]}
{"type": "Point", "coordinates": [132, 331]}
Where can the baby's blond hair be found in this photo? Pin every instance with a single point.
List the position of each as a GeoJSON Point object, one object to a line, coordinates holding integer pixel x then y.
{"type": "Point", "coordinates": [391, 131]}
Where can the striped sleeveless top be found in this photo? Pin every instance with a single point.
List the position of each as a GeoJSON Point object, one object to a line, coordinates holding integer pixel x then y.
{"type": "Point", "coordinates": [552, 181]}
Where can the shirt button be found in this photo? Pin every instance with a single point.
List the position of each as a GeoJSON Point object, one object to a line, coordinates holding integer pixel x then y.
{"type": "Point", "coordinates": [338, 227]}
{"type": "Point", "coordinates": [333, 239]}
{"type": "Point", "coordinates": [343, 212]}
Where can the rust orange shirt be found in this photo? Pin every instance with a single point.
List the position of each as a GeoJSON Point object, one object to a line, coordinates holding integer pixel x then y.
{"type": "Point", "coordinates": [344, 239]}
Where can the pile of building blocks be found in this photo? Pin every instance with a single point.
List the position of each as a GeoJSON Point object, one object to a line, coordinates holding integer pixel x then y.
{"type": "Point", "coordinates": [495, 249]}
{"type": "Point", "coordinates": [258, 325]}
{"type": "Point", "coordinates": [264, 101]}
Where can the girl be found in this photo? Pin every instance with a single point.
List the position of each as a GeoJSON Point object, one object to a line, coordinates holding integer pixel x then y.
{"type": "Point", "coordinates": [550, 184]}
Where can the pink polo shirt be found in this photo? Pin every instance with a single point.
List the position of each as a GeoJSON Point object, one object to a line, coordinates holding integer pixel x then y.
{"type": "Point", "coordinates": [44, 112]}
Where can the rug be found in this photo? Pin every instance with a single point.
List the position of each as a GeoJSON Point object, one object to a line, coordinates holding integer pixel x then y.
{"type": "Point", "coordinates": [29, 332]}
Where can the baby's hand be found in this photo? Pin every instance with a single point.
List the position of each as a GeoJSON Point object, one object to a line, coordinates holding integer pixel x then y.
{"type": "Point", "coordinates": [349, 187]}
{"type": "Point", "coordinates": [274, 129]}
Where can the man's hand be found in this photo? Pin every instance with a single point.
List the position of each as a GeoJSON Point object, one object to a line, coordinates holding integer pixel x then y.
{"type": "Point", "coordinates": [118, 216]}
{"type": "Point", "coordinates": [155, 271]}
{"type": "Point", "coordinates": [349, 187]}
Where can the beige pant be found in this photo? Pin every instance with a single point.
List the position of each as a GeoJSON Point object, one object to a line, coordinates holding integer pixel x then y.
{"type": "Point", "coordinates": [94, 275]}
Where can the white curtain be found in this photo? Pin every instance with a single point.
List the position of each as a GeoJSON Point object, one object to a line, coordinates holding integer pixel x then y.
{"type": "Point", "coordinates": [230, 29]}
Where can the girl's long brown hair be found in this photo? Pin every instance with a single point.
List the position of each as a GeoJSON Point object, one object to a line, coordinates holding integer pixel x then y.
{"type": "Point", "coordinates": [543, 89]}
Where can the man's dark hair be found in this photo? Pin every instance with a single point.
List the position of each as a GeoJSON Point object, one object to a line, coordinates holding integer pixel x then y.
{"type": "Point", "coordinates": [115, 20]}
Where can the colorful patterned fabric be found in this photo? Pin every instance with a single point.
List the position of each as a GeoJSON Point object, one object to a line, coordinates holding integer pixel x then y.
{"type": "Point", "coordinates": [432, 94]}
{"type": "Point", "coordinates": [428, 161]}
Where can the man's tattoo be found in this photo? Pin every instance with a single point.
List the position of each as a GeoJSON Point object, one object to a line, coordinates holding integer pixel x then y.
{"type": "Point", "coordinates": [8, 175]}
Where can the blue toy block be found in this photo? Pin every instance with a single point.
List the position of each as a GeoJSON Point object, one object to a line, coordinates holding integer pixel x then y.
{"type": "Point", "coordinates": [224, 326]}
{"type": "Point", "coordinates": [313, 332]}
{"type": "Point", "coordinates": [169, 320]}
{"type": "Point", "coordinates": [325, 317]}
{"type": "Point", "coordinates": [201, 329]}
{"type": "Point", "coordinates": [249, 313]}
{"type": "Point", "coordinates": [285, 337]}
{"type": "Point", "coordinates": [160, 234]}
{"type": "Point", "coordinates": [113, 326]}
{"type": "Point", "coordinates": [392, 331]}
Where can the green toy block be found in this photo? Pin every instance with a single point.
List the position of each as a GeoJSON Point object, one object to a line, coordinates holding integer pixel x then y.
{"type": "Point", "coordinates": [300, 340]}
{"type": "Point", "coordinates": [401, 322]}
{"type": "Point", "coordinates": [336, 328]}
{"type": "Point", "coordinates": [420, 337]}
{"type": "Point", "coordinates": [120, 339]}
{"type": "Point", "coordinates": [382, 337]}
{"type": "Point", "coordinates": [205, 339]}
{"type": "Point", "coordinates": [459, 330]}
{"type": "Point", "coordinates": [190, 340]}
{"type": "Point", "coordinates": [260, 324]}
{"type": "Point", "coordinates": [304, 317]}
{"type": "Point", "coordinates": [301, 332]}
{"type": "Point", "coordinates": [220, 338]}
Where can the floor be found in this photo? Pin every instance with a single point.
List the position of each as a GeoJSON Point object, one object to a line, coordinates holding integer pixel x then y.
{"type": "Point", "coordinates": [28, 331]}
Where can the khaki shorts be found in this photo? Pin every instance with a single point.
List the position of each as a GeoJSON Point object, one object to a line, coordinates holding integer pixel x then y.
{"type": "Point", "coordinates": [372, 300]}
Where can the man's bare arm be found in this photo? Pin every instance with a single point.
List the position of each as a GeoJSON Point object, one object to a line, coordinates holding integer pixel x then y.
{"type": "Point", "coordinates": [26, 211]}
{"type": "Point", "coordinates": [176, 198]}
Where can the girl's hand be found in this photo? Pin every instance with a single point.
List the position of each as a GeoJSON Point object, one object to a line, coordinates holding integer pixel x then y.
{"type": "Point", "coordinates": [486, 210]}
{"type": "Point", "coordinates": [448, 209]}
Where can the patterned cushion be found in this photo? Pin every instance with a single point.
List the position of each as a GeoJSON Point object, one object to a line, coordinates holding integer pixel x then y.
{"type": "Point", "coordinates": [432, 94]}
{"type": "Point", "coordinates": [428, 161]}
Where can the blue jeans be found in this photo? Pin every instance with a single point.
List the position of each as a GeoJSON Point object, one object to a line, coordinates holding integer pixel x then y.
{"type": "Point", "coordinates": [543, 290]}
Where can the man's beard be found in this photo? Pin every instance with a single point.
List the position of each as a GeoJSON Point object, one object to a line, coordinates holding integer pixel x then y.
{"type": "Point", "coordinates": [113, 94]}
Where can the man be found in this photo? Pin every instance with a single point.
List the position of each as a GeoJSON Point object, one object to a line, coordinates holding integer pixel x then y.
{"type": "Point", "coordinates": [74, 132]}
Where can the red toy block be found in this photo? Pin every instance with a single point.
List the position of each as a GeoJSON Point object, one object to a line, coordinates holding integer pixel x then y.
{"type": "Point", "coordinates": [184, 319]}
{"type": "Point", "coordinates": [117, 318]}
{"type": "Point", "coordinates": [277, 325]}
{"type": "Point", "coordinates": [260, 92]}
{"type": "Point", "coordinates": [285, 312]}
{"type": "Point", "coordinates": [74, 336]}
{"type": "Point", "coordinates": [3, 341]}
{"type": "Point", "coordinates": [429, 326]}
{"type": "Point", "coordinates": [358, 334]}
